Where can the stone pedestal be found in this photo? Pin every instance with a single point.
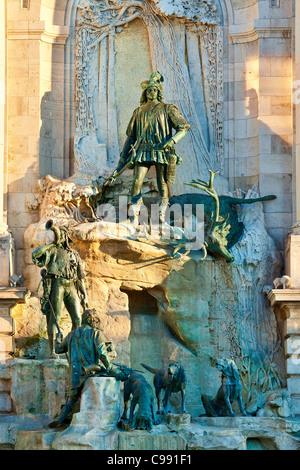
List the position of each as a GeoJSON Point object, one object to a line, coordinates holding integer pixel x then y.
{"type": "Point", "coordinates": [9, 296]}
{"type": "Point", "coordinates": [287, 306]}
{"type": "Point", "coordinates": [95, 426]}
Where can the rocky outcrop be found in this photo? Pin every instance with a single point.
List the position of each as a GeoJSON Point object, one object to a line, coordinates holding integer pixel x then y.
{"type": "Point", "coordinates": [156, 308]}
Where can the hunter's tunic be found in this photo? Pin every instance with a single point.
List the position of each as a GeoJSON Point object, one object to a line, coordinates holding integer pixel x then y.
{"type": "Point", "coordinates": [151, 128]}
{"type": "Point", "coordinates": [61, 263]}
{"type": "Point", "coordinates": [86, 346]}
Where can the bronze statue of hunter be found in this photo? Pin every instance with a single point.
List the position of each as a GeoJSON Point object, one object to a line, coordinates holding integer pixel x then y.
{"type": "Point", "coordinates": [62, 280]}
{"type": "Point", "coordinates": [150, 141]}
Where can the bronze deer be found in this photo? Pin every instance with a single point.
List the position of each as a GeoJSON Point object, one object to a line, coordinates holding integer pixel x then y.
{"type": "Point", "coordinates": [217, 229]}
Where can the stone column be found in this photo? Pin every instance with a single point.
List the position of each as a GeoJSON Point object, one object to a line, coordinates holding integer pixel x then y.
{"type": "Point", "coordinates": [9, 296]}
{"type": "Point", "coordinates": [287, 306]}
{"type": "Point", "coordinates": [293, 242]}
{"type": "Point", "coordinates": [5, 239]}
{"type": "Point", "coordinates": [262, 129]}
{"type": "Point", "coordinates": [297, 118]}
{"type": "Point", "coordinates": [286, 302]}
{"type": "Point", "coordinates": [6, 326]}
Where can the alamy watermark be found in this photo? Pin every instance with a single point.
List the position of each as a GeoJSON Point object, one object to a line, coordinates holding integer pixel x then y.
{"type": "Point", "coordinates": [184, 224]}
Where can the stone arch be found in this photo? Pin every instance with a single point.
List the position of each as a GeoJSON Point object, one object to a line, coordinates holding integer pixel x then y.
{"type": "Point", "coordinates": [228, 12]}
{"type": "Point", "coordinates": [71, 11]}
{"type": "Point", "coordinates": [54, 15]}
{"type": "Point", "coordinates": [71, 6]}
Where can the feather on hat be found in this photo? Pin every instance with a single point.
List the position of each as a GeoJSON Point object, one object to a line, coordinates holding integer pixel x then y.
{"type": "Point", "coordinates": [155, 80]}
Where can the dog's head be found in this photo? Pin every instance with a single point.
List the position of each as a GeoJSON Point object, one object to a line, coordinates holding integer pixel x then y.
{"type": "Point", "coordinates": [142, 420]}
{"type": "Point", "coordinates": [176, 372]}
{"type": "Point", "coordinates": [228, 367]}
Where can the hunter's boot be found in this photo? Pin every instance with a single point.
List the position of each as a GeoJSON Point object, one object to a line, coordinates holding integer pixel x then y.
{"type": "Point", "coordinates": [64, 419]}
{"type": "Point", "coordinates": [50, 331]}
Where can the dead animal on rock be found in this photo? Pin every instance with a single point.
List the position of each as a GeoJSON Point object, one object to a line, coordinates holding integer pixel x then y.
{"type": "Point", "coordinates": [172, 379]}
{"type": "Point", "coordinates": [142, 395]}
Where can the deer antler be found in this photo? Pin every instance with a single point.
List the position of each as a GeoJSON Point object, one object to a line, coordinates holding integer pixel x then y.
{"type": "Point", "coordinates": [217, 230]}
{"type": "Point", "coordinates": [209, 189]}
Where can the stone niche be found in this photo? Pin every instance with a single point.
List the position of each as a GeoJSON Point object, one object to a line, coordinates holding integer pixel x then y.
{"type": "Point", "coordinates": [154, 308]}
{"type": "Point", "coordinates": [185, 43]}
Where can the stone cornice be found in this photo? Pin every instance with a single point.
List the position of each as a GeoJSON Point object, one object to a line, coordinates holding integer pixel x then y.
{"type": "Point", "coordinates": [52, 34]}
{"type": "Point", "coordinates": [259, 29]}
{"type": "Point", "coordinates": [25, 29]}
{"type": "Point", "coordinates": [14, 295]}
{"type": "Point", "coordinates": [284, 296]}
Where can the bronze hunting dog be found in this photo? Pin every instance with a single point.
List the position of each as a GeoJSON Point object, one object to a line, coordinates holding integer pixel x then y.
{"type": "Point", "coordinates": [142, 395]}
{"type": "Point", "coordinates": [172, 379]}
{"type": "Point", "coordinates": [229, 391]}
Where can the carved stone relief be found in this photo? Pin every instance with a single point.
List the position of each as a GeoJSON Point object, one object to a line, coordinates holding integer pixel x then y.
{"type": "Point", "coordinates": [185, 45]}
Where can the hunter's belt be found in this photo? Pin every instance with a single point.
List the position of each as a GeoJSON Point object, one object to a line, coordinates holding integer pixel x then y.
{"type": "Point", "coordinates": [55, 276]}
{"type": "Point", "coordinates": [148, 147]}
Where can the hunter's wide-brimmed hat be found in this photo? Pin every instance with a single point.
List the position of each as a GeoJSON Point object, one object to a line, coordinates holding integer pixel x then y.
{"type": "Point", "coordinates": [155, 80]}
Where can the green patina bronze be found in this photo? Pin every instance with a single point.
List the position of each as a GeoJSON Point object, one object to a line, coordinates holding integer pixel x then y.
{"type": "Point", "coordinates": [87, 347]}
{"type": "Point", "coordinates": [222, 226]}
{"type": "Point", "coordinates": [150, 141]}
{"type": "Point", "coordinates": [62, 281]}
{"type": "Point", "coordinates": [217, 229]}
